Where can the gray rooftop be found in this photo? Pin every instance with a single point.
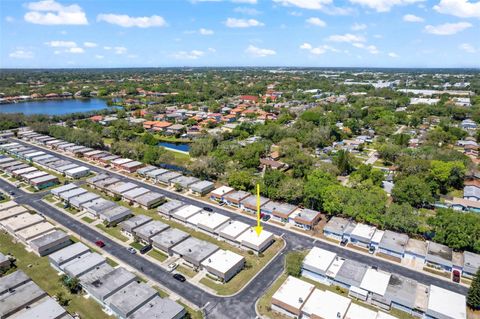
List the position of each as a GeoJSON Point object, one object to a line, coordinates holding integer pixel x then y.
{"type": "Point", "coordinates": [68, 253]}
{"type": "Point", "coordinates": [159, 308]}
{"type": "Point", "coordinates": [107, 182]}
{"type": "Point", "coordinates": [169, 238]}
{"type": "Point", "coordinates": [48, 239]}
{"type": "Point", "coordinates": [307, 214]}
{"type": "Point", "coordinates": [393, 241]}
{"type": "Point", "coordinates": [72, 193]}
{"type": "Point", "coordinates": [251, 201]}
{"type": "Point", "coordinates": [202, 186]}
{"type": "Point", "coordinates": [84, 198]}
{"type": "Point", "coordinates": [440, 254]}
{"type": "Point", "coordinates": [134, 193]}
{"type": "Point", "coordinates": [122, 187]}
{"type": "Point", "coordinates": [150, 229]}
{"type": "Point", "coordinates": [97, 178]}
{"type": "Point", "coordinates": [471, 191]}
{"type": "Point", "coordinates": [184, 181]}
{"type": "Point", "coordinates": [19, 298]}
{"type": "Point", "coordinates": [237, 195]}
{"type": "Point", "coordinates": [96, 273]}
{"type": "Point", "coordinates": [418, 247]}
{"type": "Point", "coordinates": [167, 176]}
{"type": "Point", "coordinates": [148, 198]}
{"type": "Point", "coordinates": [134, 222]}
{"type": "Point", "coordinates": [13, 280]}
{"type": "Point", "coordinates": [45, 309]}
{"type": "Point", "coordinates": [351, 272]}
{"type": "Point", "coordinates": [98, 205]}
{"type": "Point", "coordinates": [282, 209]}
{"type": "Point", "coordinates": [170, 206]}
{"type": "Point", "coordinates": [400, 290]}
{"type": "Point", "coordinates": [471, 262]}
{"type": "Point", "coordinates": [146, 169]}
{"type": "Point", "coordinates": [110, 283]}
{"type": "Point", "coordinates": [83, 264]}
{"type": "Point", "coordinates": [45, 178]}
{"type": "Point", "coordinates": [131, 298]}
{"type": "Point", "coordinates": [156, 172]}
{"type": "Point", "coordinates": [115, 213]}
{"type": "Point", "coordinates": [195, 250]}
{"type": "Point", "coordinates": [336, 225]}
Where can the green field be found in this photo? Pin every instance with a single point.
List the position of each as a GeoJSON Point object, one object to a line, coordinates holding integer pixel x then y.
{"type": "Point", "coordinates": [113, 231]}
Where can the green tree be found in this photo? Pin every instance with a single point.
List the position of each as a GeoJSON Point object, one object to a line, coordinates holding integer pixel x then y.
{"type": "Point", "coordinates": [315, 188]}
{"type": "Point", "coordinates": [401, 218]}
{"type": "Point", "coordinates": [344, 161]}
{"type": "Point", "coordinates": [473, 297]}
{"type": "Point", "coordinates": [241, 180]}
{"type": "Point", "coordinates": [293, 263]}
{"type": "Point", "coordinates": [413, 190]}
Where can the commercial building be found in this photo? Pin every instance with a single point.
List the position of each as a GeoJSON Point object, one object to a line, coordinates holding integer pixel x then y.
{"type": "Point", "coordinates": [49, 243]}
{"type": "Point", "coordinates": [165, 240]}
{"type": "Point", "coordinates": [316, 264]}
{"type": "Point", "coordinates": [219, 194]}
{"type": "Point", "coordinates": [130, 298]}
{"type": "Point", "coordinates": [335, 228]}
{"type": "Point", "coordinates": [128, 226]}
{"type": "Point", "coordinates": [232, 230]}
{"type": "Point", "coordinates": [224, 264]}
{"type": "Point", "coordinates": [439, 256]}
{"type": "Point", "coordinates": [290, 298]}
{"type": "Point", "coordinates": [201, 188]}
{"type": "Point", "coordinates": [67, 254]}
{"type": "Point", "coordinates": [107, 285]}
{"type": "Point", "coordinates": [249, 204]}
{"type": "Point", "coordinates": [185, 212]}
{"type": "Point", "coordinates": [446, 304]}
{"type": "Point", "coordinates": [145, 232]}
{"type": "Point", "coordinates": [194, 250]}
{"type": "Point", "coordinates": [250, 240]}
{"type": "Point", "coordinates": [169, 207]}
{"type": "Point", "coordinates": [393, 244]}
{"type": "Point", "coordinates": [325, 305]}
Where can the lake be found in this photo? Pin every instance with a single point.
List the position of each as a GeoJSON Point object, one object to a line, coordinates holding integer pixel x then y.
{"type": "Point", "coordinates": [54, 107]}
{"type": "Point", "coordinates": [184, 147]}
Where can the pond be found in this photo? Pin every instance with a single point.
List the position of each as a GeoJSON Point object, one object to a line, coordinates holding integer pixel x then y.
{"type": "Point", "coordinates": [54, 107]}
{"type": "Point", "coordinates": [184, 147]}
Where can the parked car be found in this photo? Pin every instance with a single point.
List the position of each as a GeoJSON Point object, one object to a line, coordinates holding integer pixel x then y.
{"type": "Point", "coordinates": [145, 249]}
{"type": "Point", "coordinates": [100, 243]}
{"type": "Point", "coordinates": [456, 276]}
{"type": "Point", "coordinates": [371, 250]}
{"type": "Point", "coordinates": [208, 209]}
{"type": "Point", "coordinates": [11, 193]}
{"type": "Point", "coordinates": [132, 250]}
{"type": "Point", "coordinates": [172, 266]}
{"type": "Point", "coordinates": [266, 218]}
{"type": "Point", "coordinates": [344, 242]}
{"type": "Point", "coordinates": [179, 277]}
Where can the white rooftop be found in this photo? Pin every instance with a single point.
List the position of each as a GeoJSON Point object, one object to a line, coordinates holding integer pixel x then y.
{"type": "Point", "coordinates": [326, 305]}
{"type": "Point", "coordinates": [187, 211]}
{"type": "Point", "coordinates": [363, 231]}
{"type": "Point", "coordinates": [222, 260]}
{"type": "Point", "coordinates": [294, 292]}
{"type": "Point", "coordinates": [234, 229]}
{"type": "Point", "coordinates": [377, 237]}
{"type": "Point", "coordinates": [448, 303]}
{"type": "Point", "coordinates": [319, 258]}
{"type": "Point", "coordinates": [221, 191]}
{"type": "Point", "coordinates": [213, 220]}
{"type": "Point", "coordinates": [358, 312]}
{"type": "Point", "coordinates": [375, 281]}
{"type": "Point", "coordinates": [335, 267]}
{"type": "Point", "coordinates": [251, 237]}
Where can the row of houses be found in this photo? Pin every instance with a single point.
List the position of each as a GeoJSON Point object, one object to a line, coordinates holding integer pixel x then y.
{"type": "Point", "coordinates": [280, 212]}
{"type": "Point", "coordinates": [119, 291]}
{"type": "Point", "coordinates": [217, 225]}
{"type": "Point", "coordinates": [196, 253]}
{"type": "Point", "coordinates": [24, 172]}
{"type": "Point", "coordinates": [50, 162]}
{"type": "Point", "coordinates": [127, 191]}
{"type": "Point", "coordinates": [91, 203]}
{"type": "Point", "coordinates": [382, 289]}
{"type": "Point", "coordinates": [22, 298]}
{"type": "Point", "coordinates": [400, 246]}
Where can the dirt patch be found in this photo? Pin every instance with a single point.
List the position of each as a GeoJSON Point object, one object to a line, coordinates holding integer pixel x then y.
{"type": "Point", "coordinates": [388, 257]}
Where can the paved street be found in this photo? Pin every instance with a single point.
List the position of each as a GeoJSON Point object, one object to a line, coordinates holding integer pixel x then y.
{"type": "Point", "coordinates": [243, 303]}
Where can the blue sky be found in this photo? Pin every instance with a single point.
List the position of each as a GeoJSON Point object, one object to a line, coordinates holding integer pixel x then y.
{"type": "Point", "coordinates": [160, 33]}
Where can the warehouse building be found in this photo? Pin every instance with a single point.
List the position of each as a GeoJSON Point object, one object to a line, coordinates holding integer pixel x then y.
{"type": "Point", "coordinates": [145, 232]}
{"type": "Point", "coordinates": [224, 264]}
{"type": "Point", "coordinates": [165, 240]}
{"type": "Point", "coordinates": [290, 298]}
{"type": "Point", "coordinates": [250, 240]}
{"type": "Point", "coordinates": [194, 250]}
{"type": "Point", "coordinates": [49, 243]}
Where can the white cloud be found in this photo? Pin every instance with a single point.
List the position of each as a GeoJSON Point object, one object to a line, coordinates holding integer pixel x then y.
{"type": "Point", "coordinates": [393, 55]}
{"type": "Point", "coordinates": [316, 22]}
{"type": "Point", "coordinates": [245, 1]}
{"type": "Point", "coordinates": [50, 12]}
{"type": "Point", "coordinates": [245, 10]}
{"type": "Point", "coordinates": [242, 23]}
{"type": "Point", "coordinates": [107, 48]}
{"type": "Point", "coordinates": [348, 37]}
{"type": "Point", "coordinates": [213, 50]}
{"type": "Point", "coordinates": [75, 50]}
{"type": "Point", "coordinates": [259, 52]}
{"type": "Point", "coordinates": [467, 47]}
{"type": "Point", "coordinates": [191, 55]}
{"type": "Point", "coordinates": [447, 28]}
{"type": "Point", "coordinates": [317, 50]}
{"type": "Point", "coordinates": [305, 4]}
{"type": "Point", "coordinates": [412, 18]}
{"type": "Point", "coordinates": [126, 21]}
{"type": "Point", "coordinates": [120, 50]}
{"type": "Point", "coordinates": [370, 48]}
{"type": "Point", "coordinates": [359, 26]}
{"type": "Point", "coordinates": [204, 31]}
{"type": "Point", "coordinates": [383, 5]}
{"type": "Point", "coordinates": [21, 54]}
{"type": "Point", "coordinates": [89, 44]}
{"type": "Point", "coordinates": [99, 56]}
{"type": "Point", "coordinates": [459, 8]}
{"type": "Point", "coordinates": [61, 44]}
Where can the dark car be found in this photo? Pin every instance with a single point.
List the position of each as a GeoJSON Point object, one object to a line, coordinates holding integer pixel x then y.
{"type": "Point", "coordinates": [145, 249]}
{"type": "Point", "coordinates": [371, 250]}
{"type": "Point", "coordinates": [344, 242]}
{"type": "Point", "coordinates": [11, 193]}
{"type": "Point", "coordinates": [179, 277]}
{"type": "Point", "coordinates": [100, 243]}
{"type": "Point", "coordinates": [456, 276]}
{"type": "Point", "coordinates": [265, 218]}
{"type": "Point", "coordinates": [208, 209]}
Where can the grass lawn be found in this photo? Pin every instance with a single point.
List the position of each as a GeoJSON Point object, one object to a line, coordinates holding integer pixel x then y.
{"type": "Point", "coordinates": [158, 255]}
{"type": "Point", "coordinates": [113, 231]}
{"type": "Point", "coordinates": [136, 245]}
{"type": "Point", "coordinates": [88, 219]}
{"type": "Point", "coordinates": [49, 198]}
{"type": "Point", "coordinates": [161, 292]}
{"type": "Point", "coordinates": [186, 271]}
{"type": "Point", "coordinates": [253, 265]}
{"type": "Point", "coordinates": [194, 314]}
{"type": "Point", "coordinates": [112, 262]}
{"type": "Point", "coordinates": [171, 139]}
{"type": "Point", "coordinates": [46, 277]}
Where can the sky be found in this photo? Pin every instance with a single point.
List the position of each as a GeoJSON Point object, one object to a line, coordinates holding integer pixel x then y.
{"type": "Point", "coordinates": [304, 33]}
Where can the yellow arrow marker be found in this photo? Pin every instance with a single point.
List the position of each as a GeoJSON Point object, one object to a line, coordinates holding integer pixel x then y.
{"type": "Point", "coordinates": [258, 228]}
